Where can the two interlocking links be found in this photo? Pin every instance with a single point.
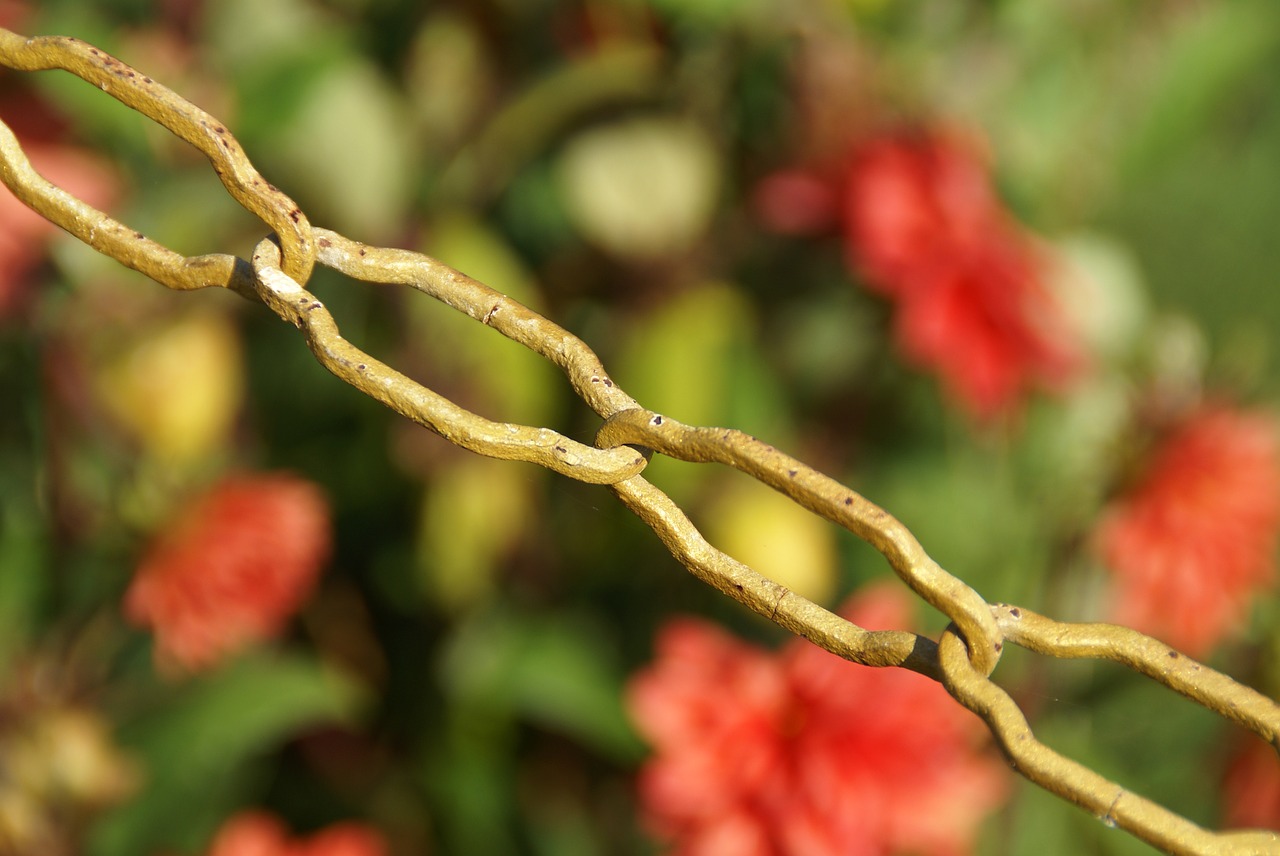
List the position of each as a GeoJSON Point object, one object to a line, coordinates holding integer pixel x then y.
{"type": "Point", "coordinates": [964, 657]}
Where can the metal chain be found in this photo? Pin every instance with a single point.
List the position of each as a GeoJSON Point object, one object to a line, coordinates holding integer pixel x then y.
{"type": "Point", "coordinates": [968, 650]}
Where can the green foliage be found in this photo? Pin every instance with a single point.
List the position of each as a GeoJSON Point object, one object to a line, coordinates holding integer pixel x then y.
{"type": "Point", "coordinates": [202, 745]}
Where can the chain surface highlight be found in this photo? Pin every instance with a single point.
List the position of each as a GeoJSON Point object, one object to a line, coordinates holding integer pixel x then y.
{"type": "Point", "coordinates": [962, 660]}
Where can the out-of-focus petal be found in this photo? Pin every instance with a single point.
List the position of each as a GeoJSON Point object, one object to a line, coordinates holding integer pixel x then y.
{"type": "Point", "coordinates": [232, 568]}
{"type": "Point", "coordinates": [1192, 541]}
{"type": "Point", "coordinates": [251, 834]}
{"type": "Point", "coordinates": [345, 839]}
{"type": "Point", "coordinates": [803, 754]}
{"type": "Point", "coordinates": [924, 226]}
{"type": "Point", "coordinates": [256, 833]}
{"type": "Point", "coordinates": [1251, 787]}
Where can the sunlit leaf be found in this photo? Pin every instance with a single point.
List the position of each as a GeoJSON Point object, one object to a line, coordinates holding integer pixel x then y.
{"type": "Point", "coordinates": [764, 529]}
{"type": "Point", "coordinates": [556, 670]}
{"type": "Point", "coordinates": [473, 512]}
{"type": "Point", "coordinates": [178, 387]}
{"type": "Point", "coordinates": [642, 187]}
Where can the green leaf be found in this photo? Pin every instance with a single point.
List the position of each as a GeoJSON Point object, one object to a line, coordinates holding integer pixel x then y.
{"type": "Point", "coordinates": [971, 514]}
{"type": "Point", "coordinates": [643, 187]}
{"type": "Point", "coordinates": [529, 121]}
{"type": "Point", "coordinates": [1218, 48]}
{"type": "Point", "coordinates": [476, 366]}
{"type": "Point", "coordinates": [23, 579]}
{"type": "Point", "coordinates": [198, 745]}
{"type": "Point", "coordinates": [696, 359]}
{"type": "Point", "coordinates": [556, 671]}
{"type": "Point", "coordinates": [347, 150]}
{"type": "Point", "coordinates": [473, 513]}
{"type": "Point", "coordinates": [710, 14]}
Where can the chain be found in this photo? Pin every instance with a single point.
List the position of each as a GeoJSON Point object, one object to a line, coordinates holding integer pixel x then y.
{"type": "Point", "coordinates": [968, 650]}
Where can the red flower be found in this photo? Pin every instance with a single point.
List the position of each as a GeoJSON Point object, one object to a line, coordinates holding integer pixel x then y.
{"type": "Point", "coordinates": [804, 754]}
{"type": "Point", "coordinates": [1193, 541]}
{"type": "Point", "coordinates": [232, 568]}
{"type": "Point", "coordinates": [259, 834]}
{"type": "Point", "coordinates": [925, 227]}
{"type": "Point", "coordinates": [1251, 788]}
{"type": "Point", "coordinates": [923, 224]}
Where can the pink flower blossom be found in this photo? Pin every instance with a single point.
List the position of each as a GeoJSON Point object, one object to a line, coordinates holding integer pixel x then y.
{"type": "Point", "coordinates": [254, 833]}
{"type": "Point", "coordinates": [231, 569]}
{"type": "Point", "coordinates": [1192, 541]}
{"type": "Point", "coordinates": [804, 754]}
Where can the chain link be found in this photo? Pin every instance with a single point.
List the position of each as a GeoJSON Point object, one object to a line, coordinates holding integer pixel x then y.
{"type": "Point", "coordinates": [185, 121]}
{"type": "Point", "coordinates": [968, 650]}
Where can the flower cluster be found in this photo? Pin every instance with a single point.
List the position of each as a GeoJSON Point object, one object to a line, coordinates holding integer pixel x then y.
{"type": "Point", "coordinates": [804, 754]}
{"type": "Point", "coordinates": [1193, 540]}
{"type": "Point", "coordinates": [254, 833]}
{"type": "Point", "coordinates": [923, 225]}
{"type": "Point", "coordinates": [231, 569]}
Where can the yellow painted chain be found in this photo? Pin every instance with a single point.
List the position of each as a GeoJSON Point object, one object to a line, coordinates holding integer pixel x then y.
{"type": "Point", "coordinates": [968, 650]}
{"type": "Point", "coordinates": [187, 122]}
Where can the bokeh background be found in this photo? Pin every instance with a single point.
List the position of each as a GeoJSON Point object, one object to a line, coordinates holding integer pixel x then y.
{"type": "Point", "coordinates": [456, 677]}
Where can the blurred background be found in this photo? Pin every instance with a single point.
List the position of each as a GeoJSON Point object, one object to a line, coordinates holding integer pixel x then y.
{"type": "Point", "coordinates": [669, 180]}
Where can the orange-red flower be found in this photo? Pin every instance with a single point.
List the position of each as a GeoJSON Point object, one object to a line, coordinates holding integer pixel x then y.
{"type": "Point", "coordinates": [927, 230]}
{"type": "Point", "coordinates": [1251, 787]}
{"type": "Point", "coordinates": [232, 568]}
{"type": "Point", "coordinates": [1193, 540]}
{"type": "Point", "coordinates": [804, 754]}
{"type": "Point", "coordinates": [253, 833]}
